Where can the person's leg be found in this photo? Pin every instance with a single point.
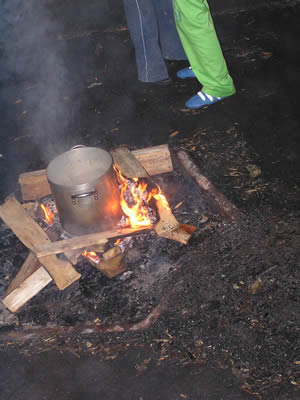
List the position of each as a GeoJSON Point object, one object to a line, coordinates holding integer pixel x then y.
{"type": "Point", "coordinates": [202, 47]}
{"type": "Point", "coordinates": [141, 20]}
{"type": "Point", "coordinates": [169, 40]}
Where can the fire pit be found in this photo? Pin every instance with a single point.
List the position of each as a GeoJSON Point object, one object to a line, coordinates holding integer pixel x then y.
{"type": "Point", "coordinates": [144, 207]}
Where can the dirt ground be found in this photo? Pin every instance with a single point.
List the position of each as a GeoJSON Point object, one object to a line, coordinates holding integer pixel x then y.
{"type": "Point", "coordinates": [238, 283]}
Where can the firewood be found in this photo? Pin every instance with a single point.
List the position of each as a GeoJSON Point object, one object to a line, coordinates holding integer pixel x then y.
{"type": "Point", "coordinates": [29, 281]}
{"type": "Point", "coordinates": [155, 160]}
{"type": "Point", "coordinates": [111, 253]}
{"type": "Point", "coordinates": [167, 221]}
{"type": "Point", "coordinates": [182, 234]}
{"type": "Point", "coordinates": [97, 248]}
{"type": "Point", "coordinates": [127, 163]}
{"type": "Point", "coordinates": [112, 263]}
{"type": "Point", "coordinates": [34, 185]}
{"type": "Point", "coordinates": [86, 241]}
{"type": "Point", "coordinates": [31, 235]}
{"type": "Point", "coordinates": [113, 266]}
{"type": "Point", "coordinates": [224, 206]}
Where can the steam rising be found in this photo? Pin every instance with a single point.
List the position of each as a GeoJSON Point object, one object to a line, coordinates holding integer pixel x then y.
{"type": "Point", "coordinates": [33, 55]}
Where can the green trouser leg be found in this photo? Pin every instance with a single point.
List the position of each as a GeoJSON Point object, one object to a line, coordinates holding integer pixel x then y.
{"type": "Point", "coordinates": [200, 42]}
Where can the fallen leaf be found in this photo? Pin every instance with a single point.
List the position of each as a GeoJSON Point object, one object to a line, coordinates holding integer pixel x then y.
{"type": "Point", "coordinates": [266, 54]}
{"type": "Point", "coordinates": [203, 219]}
{"type": "Point", "coordinates": [112, 357]}
{"type": "Point", "coordinates": [254, 288]}
{"type": "Point", "coordinates": [253, 170]}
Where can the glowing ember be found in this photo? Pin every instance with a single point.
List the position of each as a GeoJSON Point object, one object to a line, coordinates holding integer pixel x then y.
{"type": "Point", "coordinates": [48, 214]}
{"type": "Point", "coordinates": [135, 200]}
{"type": "Point", "coordinates": [92, 256]}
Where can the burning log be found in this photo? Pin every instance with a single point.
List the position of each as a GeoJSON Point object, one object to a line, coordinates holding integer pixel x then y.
{"type": "Point", "coordinates": [127, 163]}
{"type": "Point", "coordinates": [92, 257]}
{"type": "Point", "coordinates": [225, 207]}
{"type": "Point", "coordinates": [167, 221]}
{"type": "Point", "coordinates": [31, 234]}
{"type": "Point", "coordinates": [113, 266]}
{"type": "Point", "coordinates": [155, 160]}
{"type": "Point", "coordinates": [135, 200]}
{"type": "Point", "coordinates": [113, 263]}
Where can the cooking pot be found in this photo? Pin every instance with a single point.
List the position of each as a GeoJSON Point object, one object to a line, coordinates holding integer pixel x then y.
{"type": "Point", "coordinates": [85, 189]}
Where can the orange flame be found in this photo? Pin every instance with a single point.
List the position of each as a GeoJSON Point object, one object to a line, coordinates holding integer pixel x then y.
{"type": "Point", "coordinates": [48, 214]}
{"type": "Point", "coordinates": [138, 212]}
{"type": "Point", "coordinates": [91, 255]}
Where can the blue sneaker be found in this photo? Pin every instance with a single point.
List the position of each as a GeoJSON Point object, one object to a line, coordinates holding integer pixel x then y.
{"type": "Point", "coordinates": [186, 73]}
{"type": "Point", "coordinates": [202, 99]}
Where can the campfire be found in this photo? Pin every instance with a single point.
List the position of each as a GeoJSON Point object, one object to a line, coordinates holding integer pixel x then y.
{"type": "Point", "coordinates": [54, 252]}
{"type": "Point", "coordinates": [144, 206]}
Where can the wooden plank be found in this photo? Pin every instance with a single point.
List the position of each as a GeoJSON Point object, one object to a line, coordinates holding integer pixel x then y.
{"type": "Point", "coordinates": [182, 234]}
{"type": "Point", "coordinates": [30, 265]}
{"type": "Point", "coordinates": [127, 163]}
{"type": "Point", "coordinates": [29, 281]}
{"type": "Point", "coordinates": [34, 185]}
{"type": "Point", "coordinates": [167, 221]}
{"type": "Point", "coordinates": [85, 241]}
{"type": "Point", "coordinates": [63, 273]}
{"type": "Point", "coordinates": [156, 160]}
{"type": "Point", "coordinates": [31, 235]}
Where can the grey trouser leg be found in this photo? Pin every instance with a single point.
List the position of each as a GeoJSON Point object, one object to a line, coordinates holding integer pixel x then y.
{"type": "Point", "coordinates": [153, 33]}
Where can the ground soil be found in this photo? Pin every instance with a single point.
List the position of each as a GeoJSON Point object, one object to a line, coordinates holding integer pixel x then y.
{"type": "Point", "coordinates": [237, 282]}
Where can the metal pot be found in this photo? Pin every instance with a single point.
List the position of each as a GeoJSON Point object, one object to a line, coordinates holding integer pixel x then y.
{"type": "Point", "coordinates": [85, 189]}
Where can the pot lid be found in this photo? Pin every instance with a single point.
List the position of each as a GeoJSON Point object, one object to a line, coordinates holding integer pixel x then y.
{"type": "Point", "coordinates": [78, 166]}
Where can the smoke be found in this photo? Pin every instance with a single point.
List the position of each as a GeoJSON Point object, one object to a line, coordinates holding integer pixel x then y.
{"type": "Point", "coordinates": [45, 71]}
{"type": "Point", "coordinates": [33, 56]}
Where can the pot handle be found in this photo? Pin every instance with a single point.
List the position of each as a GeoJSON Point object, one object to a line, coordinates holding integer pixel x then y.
{"type": "Point", "coordinates": [74, 197]}
{"type": "Point", "coordinates": [77, 146]}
